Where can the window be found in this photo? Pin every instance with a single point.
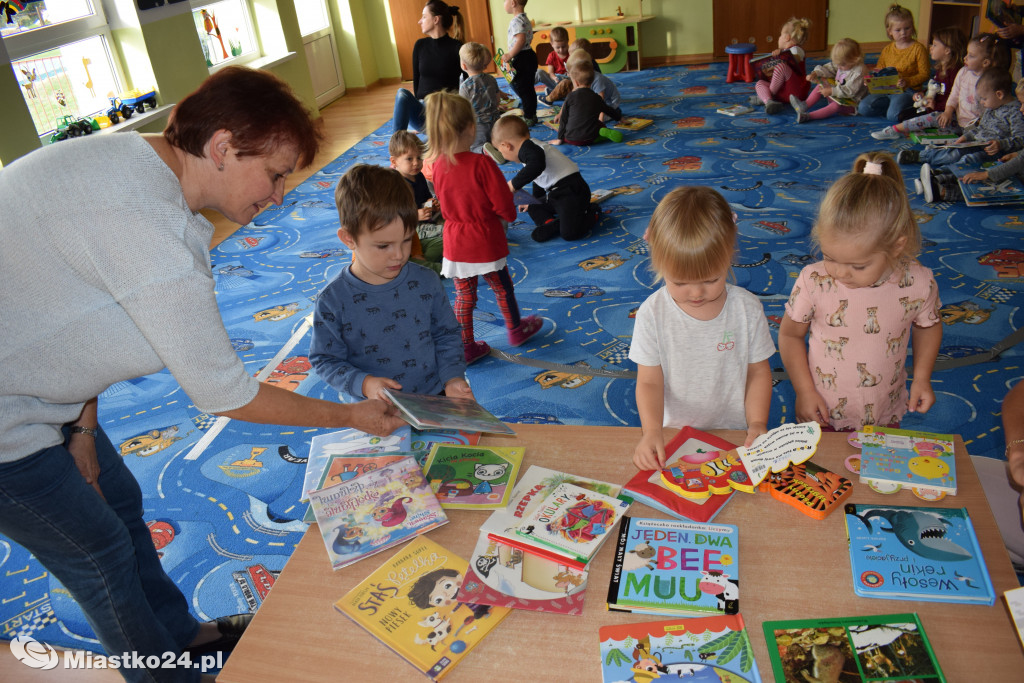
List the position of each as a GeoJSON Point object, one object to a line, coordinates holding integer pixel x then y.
{"type": "Point", "coordinates": [61, 56]}
{"type": "Point", "coordinates": [225, 31]}
{"type": "Point", "coordinates": [312, 16]}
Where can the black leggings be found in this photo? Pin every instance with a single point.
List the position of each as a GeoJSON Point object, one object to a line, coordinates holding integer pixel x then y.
{"type": "Point", "coordinates": [525, 64]}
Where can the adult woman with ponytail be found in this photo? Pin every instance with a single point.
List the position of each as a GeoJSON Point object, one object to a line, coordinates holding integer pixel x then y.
{"type": "Point", "coordinates": [435, 62]}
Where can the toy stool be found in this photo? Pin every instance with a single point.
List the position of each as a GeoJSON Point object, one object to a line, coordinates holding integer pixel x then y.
{"type": "Point", "coordinates": [739, 62]}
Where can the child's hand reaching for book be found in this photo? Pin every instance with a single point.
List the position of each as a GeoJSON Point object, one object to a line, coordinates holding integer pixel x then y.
{"type": "Point", "coordinates": [649, 454]}
{"type": "Point", "coordinates": [753, 431]}
{"type": "Point", "coordinates": [458, 387]}
{"type": "Point", "coordinates": [944, 119]}
{"type": "Point", "coordinates": [992, 148]}
{"type": "Point", "coordinates": [975, 177]}
{"type": "Point", "coordinates": [373, 387]}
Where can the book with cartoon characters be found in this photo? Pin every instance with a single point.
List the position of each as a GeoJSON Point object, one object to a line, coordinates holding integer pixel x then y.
{"type": "Point", "coordinates": [665, 566]}
{"type": "Point", "coordinates": [632, 123]}
{"type": "Point", "coordinates": [988, 192]}
{"type": "Point", "coordinates": [884, 647]}
{"type": "Point", "coordinates": [375, 511]}
{"type": "Point", "coordinates": [502, 575]}
{"type": "Point", "coordinates": [698, 649]}
{"type": "Point", "coordinates": [884, 81]}
{"type": "Point", "coordinates": [894, 458]}
{"type": "Point", "coordinates": [446, 412]}
{"type": "Point", "coordinates": [323, 447]}
{"type": "Point", "coordinates": [412, 604]}
{"type": "Point", "coordinates": [916, 553]}
{"type": "Point", "coordinates": [473, 477]}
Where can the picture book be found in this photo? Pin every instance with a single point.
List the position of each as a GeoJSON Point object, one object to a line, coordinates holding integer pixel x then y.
{"type": "Point", "coordinates": [375, 511]}
{"type": "Point", "coordinates": [699, 649]}
{"type": "Point", "coordinates": [843, 101]}
{"type": "Point", "coordinates": [505, 68]}
{"type": "Point", "coordinates": [916, 553]}
{"type": "Point", "coordinates": [987, 192]}
{"type": "Point", "coordinates": [446, 412]}
{"type": "Point", "coordinates": [423, 441]}
{"type": "Point", "coordinates": [884, 81]}
{"type": "Point", "coordinates": [411, 604]}
{"type": "Point", "coordinates": [572, 521]}
{"type": "Point", "coordinates": [810, 488]}
{"type": "Point", "coordinates": [473, 477]}
{"type": "Point", "coordinates": [599, 195]}
{"type": "Point", "coordinates": [735, 110]}
{"type": "Point", "coordinates": [501, 575]}
{"type": "Point", "coordinates": [918, 460]}
{"type": "Point", "coordinates": [664, 566]}
{"type": "Point", "coordinates": [323, 447]}
{"type": "Point", "coordinates": [632, 123]}
{"type": "Point", "coordinates": [932, 136]}
{"type": "Point", "coordinates": [885, 647]}
{"type": "Point", "coordinates": [648, 488]}
{"type": "Point", "coordinates": [1015, 605]}
{"type": "Point", "coordinates": [349, 466]}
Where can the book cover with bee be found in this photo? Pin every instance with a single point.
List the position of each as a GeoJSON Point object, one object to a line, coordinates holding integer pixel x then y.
{"type": "Point", "coordinates": [411, 604]}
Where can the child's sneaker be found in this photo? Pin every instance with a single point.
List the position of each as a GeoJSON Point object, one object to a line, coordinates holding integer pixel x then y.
{"type": "Point", "coordinates": [887, 133]}
{"type": "Point", "coordinates": [610, 134]}
{"type": "Point", "coordinates": [493, 152]}
{"type": "Point", "coordinates": [908, 156]}
{"type": "Point", "coordinates": [773, 107]}
{"type": "Point", "coordinates": [528, 326]}
{"type": "Point", "coordinates": [799, 105]}
{"type": "Point", "coordinates": [755, 101]}
{"type": "Point", "coordinates": [474, 351]}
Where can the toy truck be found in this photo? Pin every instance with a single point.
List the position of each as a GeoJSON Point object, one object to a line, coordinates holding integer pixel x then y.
{"type": "Point", "coordinates": [139, 100]}
{"type": "Point", "coordinates": [69, 126]}
{"type": "Point", "coordinates": [119, 110]}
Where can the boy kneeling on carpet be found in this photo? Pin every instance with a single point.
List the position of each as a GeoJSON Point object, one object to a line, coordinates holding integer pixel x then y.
{"type": "Point", "coordinates": [564, 208]}
{"type": "Point", "coordinates": [384, 322]}
{"type": "Point", "coordinates": [581, 121]}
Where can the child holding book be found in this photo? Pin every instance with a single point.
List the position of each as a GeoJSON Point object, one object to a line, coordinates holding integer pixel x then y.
{"type": "Point", "coordinates": [580, 120]}
{"type": "Point", "coordinates": [564, 209]}
{"type": "Point", "coordinates": [863, 305]}
{"type": "Point", "coordinates": [384, 322]}
{"type": "Point", "coordinates": [406, 151]}
{"type": "Point", "coordinates": [842, 78]}
{"type": "Point", "coordinates": [521, 57]}
{"type": "Point", "coordinates": [477, 204]}
{"type": "Point", "coordinates": [722, 379]}
{"type": "Point", "coordinates": [554, 67]}
{"type": "Point", "coordinates": [481, 90]}
{"type": "Point", "coordinates": [785, 74]}
{"type": "Point", "coordinates": [908, 57]}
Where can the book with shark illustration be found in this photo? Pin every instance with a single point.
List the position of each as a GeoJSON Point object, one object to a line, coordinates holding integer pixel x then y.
{"type": "Point", "coordinates": [916, 553]}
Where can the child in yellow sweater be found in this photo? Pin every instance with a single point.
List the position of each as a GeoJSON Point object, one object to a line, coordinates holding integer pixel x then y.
{"type": "Point", "coordinates": [908, 56]}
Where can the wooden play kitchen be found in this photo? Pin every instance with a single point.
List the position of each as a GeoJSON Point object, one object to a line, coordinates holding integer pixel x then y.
{"type": "Point", "coordinates": [614, 40]}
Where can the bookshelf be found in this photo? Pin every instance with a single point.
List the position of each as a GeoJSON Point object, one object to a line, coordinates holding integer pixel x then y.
{"type": "Point", "coordinates": [967, 15]}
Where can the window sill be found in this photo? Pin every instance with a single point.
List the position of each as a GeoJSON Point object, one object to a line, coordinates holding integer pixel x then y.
{"type": "Point", "coordinates": [134, 123]}
{"type": "Point", "coordinates": [271, 61]}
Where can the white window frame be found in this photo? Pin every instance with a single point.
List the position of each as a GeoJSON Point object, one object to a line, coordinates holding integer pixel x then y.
{"type": "Point", "coordinates": [240, 60]}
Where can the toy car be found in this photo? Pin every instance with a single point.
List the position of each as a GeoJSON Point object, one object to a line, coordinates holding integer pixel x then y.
{"type": "Point", "coordinates": [69, 126]}
{"type": "Point", "coordinates": [119, 110]}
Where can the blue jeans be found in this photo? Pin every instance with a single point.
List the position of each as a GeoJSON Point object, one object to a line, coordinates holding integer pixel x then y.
{"type": "Point", "coordinates": [889, 106]}
{"type": "Point", "coordinates": [408, 110]}
{"type": "Point", "coordinates": [942, 156]}
{"type": "Point", "coordinates": [101, 550]}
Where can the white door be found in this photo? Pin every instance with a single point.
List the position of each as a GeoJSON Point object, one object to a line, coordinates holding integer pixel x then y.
{"type": "Point", "coordinates": [321, 50]}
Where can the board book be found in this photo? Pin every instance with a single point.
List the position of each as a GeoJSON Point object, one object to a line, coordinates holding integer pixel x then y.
{"type": "Point", "coordinates": [410, 604]}
{"type": "Point", "coordinates": [735, 110]}
{"type": "Point", "coordinates": [1015, 606]}
{"type": "Point", "coordinates": [809, 488]}
{"type": "Point", "coordinates": [699, 649]}
{"type": "Point", "coordinates": [932, 136]}
{"type": "Point", "coordinates": [423, 411]}
{"type": "Point", "coordinates": [375, 511]}
{"type": "Point", "coordinates": [647, 487]}
{"type": "Point", "coordinates": [916, 553]}
{"type": "Point", "coordinates": [987, 192]}
{"type": "Point", "coordinates": [505, 68]}
{"type": "Point", "coordinates": [664, 566]}
{"type": "Point", "coordinates": [323, 447]}
{"type": "Point", "coordinates": [632, 123]}
{"type": "Point", "coordinates": [885, 647]}
{"type": "Point", "coordinates": [423, 441]}
{"type": "Point", "coordinates": [504, 576]}
{"type": "Point", "coordinates": [902, 457]}
{"type": "Point", "coordinates": [884, 81]}
{"type": "Point", "coordinates": [599, 195]}
{"type": "Point", "coordinates": [473, 477]}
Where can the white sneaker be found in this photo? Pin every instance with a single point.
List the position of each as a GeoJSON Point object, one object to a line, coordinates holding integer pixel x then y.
{"type": "Point", "coordinates": [927, 188]}
{"type": "Point", "coordinates": [887, 133]}
{"type": "Point", "coordinates": [799, 105]}
{"type": "Point", "coordinates": [493, 152]}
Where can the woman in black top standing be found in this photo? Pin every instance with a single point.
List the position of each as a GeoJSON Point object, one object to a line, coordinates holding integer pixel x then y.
{"type": "Point", "coordinates": [435, 62]}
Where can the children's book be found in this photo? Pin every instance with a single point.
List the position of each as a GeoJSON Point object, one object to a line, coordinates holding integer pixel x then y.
{"type": "Point", "coordinates": [735, 110]}
{"type": "Point", "coordinates": [572, 521]}
{"type": "Point", "coordinates": [501, 575]}
{"type": "Point", "coordinates": [550, 124]}
{"type": "Point", "coordinates": [1003, 13]}
{"type": "Point", "coordinates": [632, 123]}
{"type": "Point", "coordinates": [411, 604]}
{"type": "Point", "coordinates": [446, 412]}
{"type": "Point", "coordinates": [885, 647]}
{"type": "Point", "coordinates": [699, 649]}
{"type": "Point", "coordinates": [916, 553]}
{"type": "Point", "coordinates": [599, 195]}
{"type": "Point", "coordinates": [504, 67]}
{"type": "Point", "coordinates": [1015, 605]}
{"type": "Point", "coordinates": [810, 488]}
{"type": "Point", "coordinates": [884, 81]}
{"type": "Point", "coordinates": [323, 447]}
{"type": "Point", "coordinates": [931, 136]}
{"type": "Point", "coordinates": [918, 460]}
{"type": "Point", "coordinates": [843, 101]}
{"type": "Point", "coordinates": [423, 441]}
{"type": "Point", "coordinates": [473, 477]}
{"type": "Point", "coordinates": [375, 511]}
{"type": "Point", "coordinates": [349, 466]}
{"type": "Point", "coordinates": [664, 566]}
{"type": "Point", "coordinates": [647, 486]}
{"type": "Point", "coordinates": [987, 192]}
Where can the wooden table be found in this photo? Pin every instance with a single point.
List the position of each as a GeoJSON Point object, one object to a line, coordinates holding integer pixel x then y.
{"type": "Point", "coordinates": [791, 567]}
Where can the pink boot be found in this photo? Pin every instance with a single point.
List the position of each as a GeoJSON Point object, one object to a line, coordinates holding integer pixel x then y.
{"type": "Point", "coordinates": [474, 351]}
{"type": "Point", "coordinates": [527, 327]}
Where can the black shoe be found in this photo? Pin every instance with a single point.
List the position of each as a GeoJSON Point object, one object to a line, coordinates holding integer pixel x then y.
{"type": "Point", "coordinates": [231, 629]}
{"type": "Point", "coordinates": [547, 231]}
{"type": "Point", "coordinates": [908, 156]}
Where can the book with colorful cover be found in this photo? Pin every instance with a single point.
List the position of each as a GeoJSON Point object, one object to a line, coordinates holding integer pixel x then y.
{"type": "Point", "coordinates": [665, 566]}
{"type": "Point", "coordinates": [599, 195]}
{"type": "Point", "coordinates": [1015, 606]}
{"type": "Point", "coordinates": [323, 447]}
{"type": "Point", "coordinates": [884, 647]}
{"type": "Point", "coordinates": [647, 487]}
{"type": "Point", "coordinates": [572, 521]}
{"type": "Point", "coordinates": [504, 576]}
{"type": "Point", "coordinates": [813, 490]}
{"type": "Point", "coordinates": [348, 466]}
{"type": "Point", "coordinates": [422, 441]}
{"type": "Point", "coordinates": [919, 460]}
{"type": "Point", "coordinates": [632, 123]}
{"type": "Point", "coordinates": [932, 136]}
{"type": "Point", "coordinates": [884, 81]}
{"type": "Point", "coordinates": [411, 604]}
{"type": "Point", "coordinates": [473, 477]}
{"type": "Point", "coordinates": [424, 411]}
{"type": "Point", "coordinates": [988, 192]}
{"type": "Point", "coordinates": [735, 110]}
{"type": "Point", "coordinates": [699, 649]}
{"type": "Point", "coordinates": [505, 68]}
{"type": "Point", "coordinates": [916, 553]}
{"type": "Point", "coordinates": [375, 511]}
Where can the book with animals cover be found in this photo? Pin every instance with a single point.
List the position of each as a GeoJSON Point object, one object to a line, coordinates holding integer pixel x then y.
{"type": "Point", "coordinates": [501, 575]}
{"type": "Point", "coordinates": [473, 477]}
{"type": "Point", "coordinates": [411, 604]}
{"type": "Point", "coordinates": [347, 466]}
{"type": "Point", "coordinates": [919, 460]}
{"type": "Point", "coordinates": [632, 123]}
{"type": "Point", "coordinates": [647, 487]}
{"type": "Point", "coordinates": [423, 441]}
{"type": "Point", "coordinates": [916, 553]}
{"type": "Point", "coordinates": [375, 511]}
{"type": "Point", "coordinates": [699, 649]}
{"type": "Point", "coordinates": [884, 81]}
{"type": "Point", "coordinates": [323, 447]}
{"type": "Point", "coordinates": [572, 521]}
{"type": "Point", "coordinates": [988, 192]}
{"type": "Point", "coordinates": [884, 647]}
{"type": "Point", "coordinates": [665, 566]}
{"type": "Point", "coordinates": [446, 412]}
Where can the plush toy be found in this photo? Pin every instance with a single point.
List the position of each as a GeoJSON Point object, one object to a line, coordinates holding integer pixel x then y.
{"type": "Point", "coordinates": [922, 100]}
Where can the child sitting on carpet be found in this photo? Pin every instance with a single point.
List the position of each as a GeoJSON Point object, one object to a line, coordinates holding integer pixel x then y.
{"type": "Point", "coordinates": [863, 305]}
{"type": "Point", "coordinates": [784, 75]}
{"type": "Point", "coordinates": [564, 195]}
{"type": "Point", "coordinates": [564, 87]}
{"type": "Point", "coordinates": [477, 205]}
{"type": "Point", "coordinates": [701, 345]}
{"type": "Point", "coordinates": [482, 92]}
{"type": "Point", "coordinates": [843, 77]}
{"type": "Point", "coordinates": [580, 122]}
{"type": "Point", "coordinates": [554, 69]}
{"type": "Point", "coordinates": [384, 322]}
{"type": "Point", "coordinates": [406, 151]}
{"type": "Point", "coordinates": [908, 57]}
